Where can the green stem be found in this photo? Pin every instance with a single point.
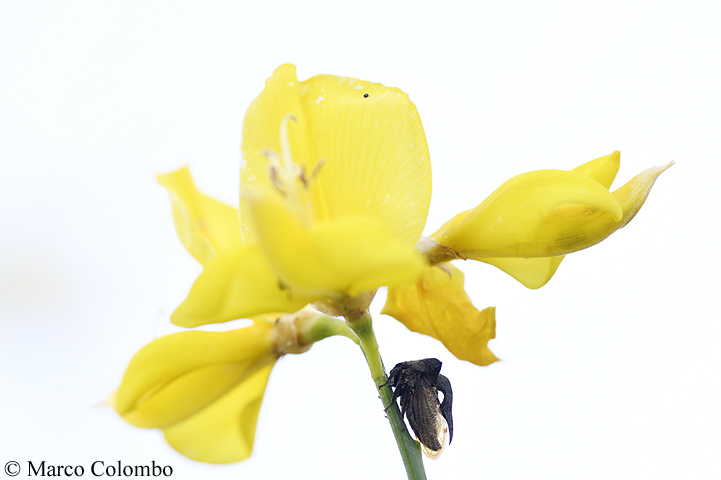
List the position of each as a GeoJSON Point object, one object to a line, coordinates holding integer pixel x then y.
{"type": "Point", "coordinates": [324, 326]}
{"type": "Point", "coordinates": [409, 448]}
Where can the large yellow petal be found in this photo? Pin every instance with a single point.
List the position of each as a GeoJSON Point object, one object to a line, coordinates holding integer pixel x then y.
{"type": "Point", "coordinates": [352, 254]}
{"type": "Point", "coordinates": [437, 305]}
{"type": "Point", "coordinates": [513, 213]}
{"type": "Point", "coordinates": [236, 284]}
{"type": "Point", "coordinates": [374, 148]}
{"type": "Point", "coordinates": [178, 375]}
{"type": "Point", "coordinates": [224, 432]}
{"type": "Point", "coordinates": [206, 227]}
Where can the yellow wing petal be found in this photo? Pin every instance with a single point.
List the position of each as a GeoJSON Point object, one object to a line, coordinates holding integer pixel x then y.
{"type": "Point", "coordinates": [514, 213]}
{"type": "Point", "coordinates": [206, 227]}
{"type": "Point", "coordinates": [528, 260]}
{"type": "Point", "coordinates": [351, 255]}
{"type": "Point", "coordinates": [603, 169]}
{"type": "Point", "coordinates": [536, 272]}
{"type": "Point", "coordinates": [531, 272]}
{"type": "Point", "coordinates": [574, 227]}
{"type": "Point", "coordinates": [236, 284]}
{"type": "Point", "coordinates": [437, 305]}
{"type": "Point", "coordinates": [177, 375]}
{"type": "Point", "coordinates": [224, 432]}
{"type": "Point", "coordinates": [375, 154]}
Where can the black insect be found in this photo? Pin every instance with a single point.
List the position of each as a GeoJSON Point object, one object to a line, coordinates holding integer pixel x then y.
{"type": "Point", "coordinates": [417, 384]}
{"type": "Point", "coordinates": [365, 96]}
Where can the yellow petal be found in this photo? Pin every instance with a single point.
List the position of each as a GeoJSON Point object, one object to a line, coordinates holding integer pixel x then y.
{"type": "Point", "coordinates": [206, 227]}
{"type": "Point", "coordinates": [437, 305]}
{"type": "Point", "coordinates": [451, 224]}
{"type": "Point", "coordinates": [351, 255]}
{"type": "Point", "coordinates": [236, 284]}
{"type": "Point", "coordinates": [178, 375]}
{"type": "Point", "coordinates": [513, 214]}
{"type": "Point", "coordinates": [405, 304]}
{"type": "Point", "coordinates": [531, 272]}
{"type": "Point", "coordinates": [374, 148]}
{"type": "Point", "coordinates": [536, 272]}
{"type": "Point", "coordinates": [603, 169]}
{"type": "Point", "coordinates": [225, 431]}
{"type": "Point", "coordinates": [574, 227]}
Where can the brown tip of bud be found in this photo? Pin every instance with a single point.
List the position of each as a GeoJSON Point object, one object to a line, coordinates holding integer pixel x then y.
{"type": "Point", "coordinates": [435, 253]}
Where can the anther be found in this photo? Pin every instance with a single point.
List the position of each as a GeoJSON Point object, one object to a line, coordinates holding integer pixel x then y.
{"type": "Point", "coordinates": [316, 169]}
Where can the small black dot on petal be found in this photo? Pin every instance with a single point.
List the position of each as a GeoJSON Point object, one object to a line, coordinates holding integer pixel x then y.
{"type": "Point", "coordinates": [365, 96]}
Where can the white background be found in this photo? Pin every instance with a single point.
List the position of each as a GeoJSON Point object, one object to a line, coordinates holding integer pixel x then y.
{"type": "Point", "coordinates": [612, 370]}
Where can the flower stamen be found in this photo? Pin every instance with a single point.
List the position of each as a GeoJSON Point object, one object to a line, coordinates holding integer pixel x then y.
{"type": "Point", "coordinates": [290, 179]}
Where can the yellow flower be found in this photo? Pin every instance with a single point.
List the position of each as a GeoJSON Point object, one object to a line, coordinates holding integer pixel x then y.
{"type": "Point", "coordinates": [204, 389]}
{"type": "Point", "coordinates": [335, 189]}
{"type": "Point", "coordinates": [525, 227]}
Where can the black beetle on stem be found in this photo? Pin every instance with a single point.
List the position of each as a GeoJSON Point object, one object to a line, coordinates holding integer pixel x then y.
{"type": "Point", "coordinates": [417, 384]}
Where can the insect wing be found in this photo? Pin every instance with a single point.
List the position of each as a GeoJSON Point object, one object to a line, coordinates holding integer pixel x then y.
{"type": "Point", "coordinates": [441, 435]}
{"type": "Point", "coordinates": [424, 415]}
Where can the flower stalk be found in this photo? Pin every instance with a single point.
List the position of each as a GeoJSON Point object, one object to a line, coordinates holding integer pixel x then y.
{"type": "Point", "coordinates": [409, 448]}
{"type": "Point", "coordinates": [325, 326]}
